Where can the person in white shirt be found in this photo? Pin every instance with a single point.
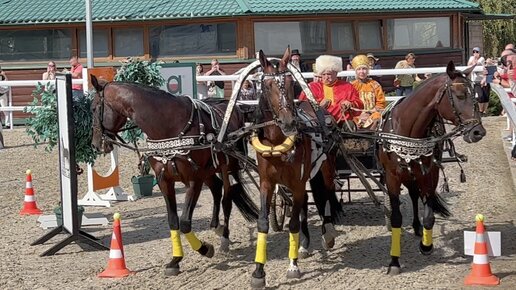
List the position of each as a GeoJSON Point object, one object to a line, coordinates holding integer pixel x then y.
{"type": "Point", "coordinates": [482, 88]}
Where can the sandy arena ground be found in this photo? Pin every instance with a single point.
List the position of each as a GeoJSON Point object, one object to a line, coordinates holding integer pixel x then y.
{"type": "Point", "coordinates": [358, 261]}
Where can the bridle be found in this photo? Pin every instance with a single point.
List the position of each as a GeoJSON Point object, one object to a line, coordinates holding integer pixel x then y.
{"type": "Point", "coordinates": [284, 104]}
{"type": "Point", "coordinates": [465, 124]}
{"type": "Point", "coordinates": [98, 127]}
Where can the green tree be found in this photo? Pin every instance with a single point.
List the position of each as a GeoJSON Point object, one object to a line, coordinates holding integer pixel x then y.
{"type": "Point", "coordinates": [498, 33]}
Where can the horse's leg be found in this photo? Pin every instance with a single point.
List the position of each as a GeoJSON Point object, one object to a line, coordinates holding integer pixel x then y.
{"type": "Point", "coordinates": [396, 221]}
{"type": "Point", "coordinates": [258, 276]}
{"type": "Point", "coordinates": [191, 197]}
{"type": "Point", "coordinates": [215, 186]}
{"type": "Point", "coordinates": [293, 252]}
{"type": "Point", "coordinates": [323, 190]}
{"type": "Point", "coordinates": [304, 238]}
{"type": "Point", "coordinates": [227, 206]}
{"type": "Point", "coordinates": [414, 190]}
{"type": "Point", "coordinates": [167, 187]}
{"type": "Point", "coordinates": [426, 246]}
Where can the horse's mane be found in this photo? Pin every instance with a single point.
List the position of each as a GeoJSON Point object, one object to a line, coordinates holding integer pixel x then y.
{"type": "Point", "coordinates": [428, 82]}
{"type": "Point", "coordinates": [155, 92]}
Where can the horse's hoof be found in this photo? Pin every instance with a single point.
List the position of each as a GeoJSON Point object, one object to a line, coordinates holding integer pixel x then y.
{"type": "Point", "coordinates": [328, 244]}
{"type": "Point", "coordinates": [426, 250]}
{"type": "Point", "coordinates": [171, 271]}
{"type": "Point", "coordinates": [257, 282]}
{"type": "Point", "coordinates": [293, 274]}
{"type": "Point", "coordinates": [211, 250]}
{"type": "Point", "coordinates": [418, 232]}
{"type": "Point", "coordinates": [303, 253]}
{"type": "Point", "coordinates": [219, 230]}
{"type": "Point", "coordinates": [394, 270]}
{"type": "Point", "coordinates": [224, 245]}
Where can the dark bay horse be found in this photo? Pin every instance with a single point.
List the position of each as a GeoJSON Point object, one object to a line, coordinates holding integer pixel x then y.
{"type": "Point", "coordinates": [411, 149]}
{"type": "Point", "coordinates": [180, 130]}
{"type": "Point", "coordinates": [284, 157]}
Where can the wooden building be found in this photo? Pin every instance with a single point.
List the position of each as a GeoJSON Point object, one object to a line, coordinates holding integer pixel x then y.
{"type": "Point", "coordinates": [34, 32]}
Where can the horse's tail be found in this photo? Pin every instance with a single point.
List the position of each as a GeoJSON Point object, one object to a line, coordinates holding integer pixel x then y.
{"type": "Point", "coordinates": [438, 204]}
{"type": "Point", "coordinates": [322, 196]}
{"type": "Point", "coordinates": [243, 201]}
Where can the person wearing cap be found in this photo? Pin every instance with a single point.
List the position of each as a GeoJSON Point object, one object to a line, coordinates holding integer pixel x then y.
{"type": "Point", "coordinates": [338, 97]}
{"type": "Point", "coordinates": [295, 59]}
{"type": "Point", "coordinates": [370, 92]}
{"type": "Point", "coordinates": [373, 64]}
{"type": "Point", "coordinates": [482, 88]}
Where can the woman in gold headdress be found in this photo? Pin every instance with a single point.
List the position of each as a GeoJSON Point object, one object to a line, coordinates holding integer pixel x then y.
{"type": "Point", "coordinates": [370, 92]}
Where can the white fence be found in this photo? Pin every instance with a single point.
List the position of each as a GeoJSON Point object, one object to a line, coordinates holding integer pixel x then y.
{"type": "Point", "coordinates": [32, 83]}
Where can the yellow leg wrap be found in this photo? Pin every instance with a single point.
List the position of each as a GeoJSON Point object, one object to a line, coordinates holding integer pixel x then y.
{"type": "Point", "coordinates": [193, 240]}
{"type": "Point", "coordinates": [427, 237]}
{"type": "Point", "coordinates": [293, 250]}
{"type": "Point", "coordinates": [261, 249]}
{"type": "Point", "coordinates": [396, 242]}
{"type": "Point", "coordinates": [177, 248]}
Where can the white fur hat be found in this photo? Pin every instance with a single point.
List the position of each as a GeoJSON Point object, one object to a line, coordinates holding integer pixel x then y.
{"type": "Point", "coordinates": [328, 63]}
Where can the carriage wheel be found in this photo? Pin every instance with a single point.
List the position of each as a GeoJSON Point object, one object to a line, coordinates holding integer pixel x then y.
{"type": "Point", "coordinates": [278, 212]}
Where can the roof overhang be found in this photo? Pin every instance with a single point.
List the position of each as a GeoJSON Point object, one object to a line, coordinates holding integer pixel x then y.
{"type": "Point", "coordinates": [489, 16]}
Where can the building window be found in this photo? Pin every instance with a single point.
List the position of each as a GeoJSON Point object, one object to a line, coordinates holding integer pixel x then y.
{"type": "Point", "coordinates": [410, 33]}
{"type": "Point", "coordinates": [128, 42]}
{"type": "Point", "coordinates": [369, 35]}
{"type": "Point", "coordinates": [23, 45]}
{"type": "Point", "coordinates": [342, 36]}
{"type": "Point", "coordinates": [100, 43]}
{"type": "Point", "coordinates": [193, 39]}
{"type": "Point", "coordinates": [274, 37]}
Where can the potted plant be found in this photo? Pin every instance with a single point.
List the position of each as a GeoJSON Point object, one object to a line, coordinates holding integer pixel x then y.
{"type": "Point", "coordinates": [143, 183]}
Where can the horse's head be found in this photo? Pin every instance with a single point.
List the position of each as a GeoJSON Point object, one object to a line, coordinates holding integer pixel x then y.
{"type": "Point", "coordinates": [278, 91]}
{"type": "Point", "coordinates": [460, 106]}
{"type": "Point", "coordinates": [106, 121]}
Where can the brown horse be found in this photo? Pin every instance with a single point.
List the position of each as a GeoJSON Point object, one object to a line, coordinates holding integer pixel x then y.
{"type": "Point", "coordinates": [284, 157]}
{"type": "Point", "coordinates": [181, 130]}
{"type": "Point", "coordinates": [411, 149]}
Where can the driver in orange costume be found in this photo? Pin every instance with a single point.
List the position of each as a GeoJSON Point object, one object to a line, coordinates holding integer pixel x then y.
{"type": "Point", "coordinates": [334, 95]}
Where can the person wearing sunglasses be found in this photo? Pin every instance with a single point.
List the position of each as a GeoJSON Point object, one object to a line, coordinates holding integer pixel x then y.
{"type": "Point", "coordinates": [50, 74]}
{"type": "Point", "coordinates": [482, 88]}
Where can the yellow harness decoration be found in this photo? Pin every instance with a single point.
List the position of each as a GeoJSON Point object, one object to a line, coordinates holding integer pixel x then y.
{"type": "Point", "coordinates": [177, 248]}
{"type": "Point", "coordinates": [193, 240]}
{"type": "Point", "coordinates": [275, 151]}
{"type": "Point", "coordinates": [396, 242]}
{"type": "Point", "coordinates": [293, 251]}
{"type": "Point", "coordinates": [427, 237]}
{"type": "Point", "coordinates": [261, 249]}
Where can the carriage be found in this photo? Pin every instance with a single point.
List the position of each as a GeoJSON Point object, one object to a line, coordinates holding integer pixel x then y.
{"type": "Point", "coordinates": [210, 138]}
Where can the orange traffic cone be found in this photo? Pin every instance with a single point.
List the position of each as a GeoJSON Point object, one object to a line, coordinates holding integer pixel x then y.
{"type": "Point", "coordinates": [481, 269]}
{"type": "Point", "coordinates": [116, 265]}
{"type": "Point", "coordinates": [29, 204]}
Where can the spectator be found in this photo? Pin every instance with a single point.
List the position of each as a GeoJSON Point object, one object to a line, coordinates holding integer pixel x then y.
{"type": "Point", "coordinates": [215, 88]}
{"type": "Point", "coordinates": [373, 64]}
{"type": "Point", "coordinates": [404, 83]}
{"type": "Point", "coordinates": [202, 89]}
{"type": "Point", "coordinates": [349, 67]}
{"type": "Point", "coordinates": [482, 88]}
{"type": "Point", "coordinates": [76, 72]}
{"type": "Point", "coordinates": [247, 92]}
{"type": "Point", "coordinates": [4, 102]}
{"type": "Point", "coordinates": [295, 59]}
{"type": "Point", "coordinates": [370, 92]}
{"type": "Point", "coordinates": [338, 97]}
{"type": "Point", "coordinates": [317, 76]}
{"type": "Point", "coordinates": [50, 74]}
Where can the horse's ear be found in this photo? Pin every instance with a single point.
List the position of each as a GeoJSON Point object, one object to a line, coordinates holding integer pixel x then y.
{"type": "Point", "coordinates": [450, 69]}
{"type": "Point", "coordinates": [468, 71]}
{"type": "Point", "coordinates": [286, 56]}
{"type": "Point", "coordinates": [263, 60]}
{"type": "Point", "coordinates": [95, 83]}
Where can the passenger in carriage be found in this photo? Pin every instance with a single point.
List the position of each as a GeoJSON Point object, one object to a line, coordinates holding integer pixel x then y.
{"type": "Point", "coordinates": [338, 97]}
{"type": "Point", "coordinates": [370, 92]}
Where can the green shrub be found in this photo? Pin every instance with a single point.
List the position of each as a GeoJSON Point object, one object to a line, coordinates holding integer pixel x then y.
{"type": "Point", "coordinates": [495, 106]}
